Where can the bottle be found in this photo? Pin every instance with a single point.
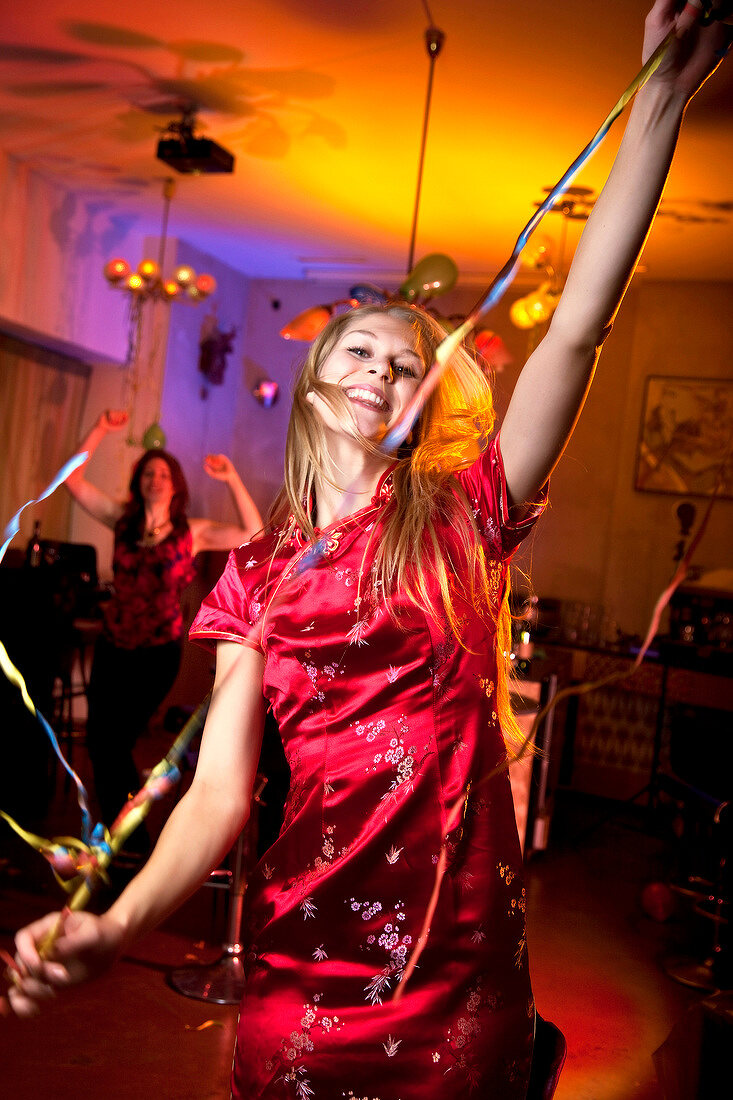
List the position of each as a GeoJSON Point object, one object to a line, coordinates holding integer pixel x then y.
{"type": "Point", "coordinates": [33, 552]}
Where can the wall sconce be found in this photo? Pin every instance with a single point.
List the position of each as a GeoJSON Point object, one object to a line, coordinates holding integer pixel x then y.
{"type": "Point", "coordinates": [266, 392]}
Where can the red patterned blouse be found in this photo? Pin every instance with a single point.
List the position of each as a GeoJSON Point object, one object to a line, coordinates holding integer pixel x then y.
{"type": "Point", "coordinates": [148, 583]}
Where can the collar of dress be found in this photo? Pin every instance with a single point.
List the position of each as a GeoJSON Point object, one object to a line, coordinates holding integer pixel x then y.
{"type": "Point", "coordinates": [331, 535]}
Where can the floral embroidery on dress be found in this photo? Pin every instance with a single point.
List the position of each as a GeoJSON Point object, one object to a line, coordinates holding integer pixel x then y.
{"type": "Point", "coordinates": [488, 528]}
{"type": "Point", "coordinates": [441, 653]}
{"type": "Point", "coordinates": [356, 635]}
{"type": "Point", "coordinates": [391, 1046]}
{"type": "Point", "coordinates": [460, 1044]}
{"type": "Point", "coordinates": [308, 908]}
{"type": "Point", "coordinates": [314, 869]}
{"type": "Point", "coordinates": [298, 1043]}
{"type": "Point", "coordinates": [517, 909]}
{"type": "Point", "coordinates": [391, 939]}
{"type": "Point", "coordinates": [487, 686]}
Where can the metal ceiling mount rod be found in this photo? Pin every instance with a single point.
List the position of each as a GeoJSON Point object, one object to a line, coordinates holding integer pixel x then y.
{"type": "Point", "coordinates": [434, 39]}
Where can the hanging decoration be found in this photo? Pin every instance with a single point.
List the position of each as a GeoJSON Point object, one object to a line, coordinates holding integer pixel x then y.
{"type": "Point", "coordinates": [215, 345]}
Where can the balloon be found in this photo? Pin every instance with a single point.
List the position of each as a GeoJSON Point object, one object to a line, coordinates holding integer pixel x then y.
{"type": "Point", "coordinates": [153, 437]}
{"type": "Point", "coordinates": [492, 348]}
{"type": "Point", "coordinates": [368, 294]}
{"type": "Point", "coordinates": [307, 324]}
{"type": "Point", "coordinates": [433, 275]}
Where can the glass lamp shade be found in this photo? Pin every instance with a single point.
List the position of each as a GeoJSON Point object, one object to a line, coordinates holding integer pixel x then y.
{"type": "Point", "coordinates": [148, 269]}
{"type": "Point", "coordinates": [541, 304]}
{"type": "Point", "coordinates": [171, 289]}
{"type": "Point", "coordinates": [184, 275]}
{"type": "Point", "coordinates": [520, 315]}
{"type": "Point", "coordinates": [307, 325]}
{"type": "Point", "coordinates": [434, 274]}
{"type": "Point", "coordinates": [135, 283]}
{"type": "Point", "coordinates": [205, 285]}
{"type": "Point", "coordinates": [116, 270]}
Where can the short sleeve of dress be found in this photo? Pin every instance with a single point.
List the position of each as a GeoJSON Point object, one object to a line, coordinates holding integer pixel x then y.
{"type": "Point", "coordinates": [484, 483]}
{"type": "Point", "coordinates": [226, 614]}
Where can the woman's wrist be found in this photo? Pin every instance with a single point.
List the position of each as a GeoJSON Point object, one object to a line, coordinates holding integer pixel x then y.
{"type": "Point", "coordinates": [661, 100]}
{"type": "Point", "coordinates": [118, 931]}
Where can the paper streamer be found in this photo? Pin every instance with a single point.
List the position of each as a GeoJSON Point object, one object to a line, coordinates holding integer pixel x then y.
{"type": "Point", "coordinates": [12, 528]}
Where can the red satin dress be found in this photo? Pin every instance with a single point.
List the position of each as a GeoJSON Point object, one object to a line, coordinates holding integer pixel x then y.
{"type": "Point", "coordinates": [385, 724]}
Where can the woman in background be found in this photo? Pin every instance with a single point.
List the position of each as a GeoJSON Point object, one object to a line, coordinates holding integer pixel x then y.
{"type": "Point", "coordinates": [136, 659]}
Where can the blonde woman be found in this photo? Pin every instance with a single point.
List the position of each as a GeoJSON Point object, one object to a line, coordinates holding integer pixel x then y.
{"type": "Point", "coordinates": [380, 653]}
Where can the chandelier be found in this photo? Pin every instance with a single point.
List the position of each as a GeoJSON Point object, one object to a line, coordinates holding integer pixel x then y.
{"type": "Point", "coordinates": [147, 280]}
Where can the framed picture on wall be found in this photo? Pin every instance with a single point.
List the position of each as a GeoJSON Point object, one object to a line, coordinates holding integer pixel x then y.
{"type": "Point", "coordinates": [686, 437]}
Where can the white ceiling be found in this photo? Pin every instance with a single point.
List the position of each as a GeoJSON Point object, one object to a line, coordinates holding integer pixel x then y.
{"type": "Point", "coordinates": [322, 103]}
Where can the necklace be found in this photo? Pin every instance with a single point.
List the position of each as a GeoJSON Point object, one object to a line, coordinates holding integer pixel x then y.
{"type": "Point", "coordinates": [153, 532]}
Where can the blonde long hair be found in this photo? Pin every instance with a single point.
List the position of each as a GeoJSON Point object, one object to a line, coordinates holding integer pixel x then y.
{"type": "Point", "coordinates": [449, 435]}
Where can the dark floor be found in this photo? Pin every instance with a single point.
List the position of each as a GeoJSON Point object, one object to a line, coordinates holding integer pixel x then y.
{"type": "Point", "coordinates": [597, 962]}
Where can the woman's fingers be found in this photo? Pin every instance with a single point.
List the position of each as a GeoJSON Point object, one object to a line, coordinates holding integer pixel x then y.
{"type": "Point", "coordinates": [28, 940]}
{"type": "Point", "coordinates": [690, 14]}
{"type": "Point", "coordinates": [116, 418]}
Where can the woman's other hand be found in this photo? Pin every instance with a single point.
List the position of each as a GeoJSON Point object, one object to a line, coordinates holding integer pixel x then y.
{"type": "Point", "coordinates": [111, 420]}
{"type": "Point", "coordinates": [84, 947]}
{"type": "Point", "coordinates": [697, 51]}
{"type": "Point", "coordinates": [219, 467]}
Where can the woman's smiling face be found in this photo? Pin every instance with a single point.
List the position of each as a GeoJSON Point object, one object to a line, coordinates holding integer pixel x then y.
{"type": "Point", "coordinates": [376, 363]}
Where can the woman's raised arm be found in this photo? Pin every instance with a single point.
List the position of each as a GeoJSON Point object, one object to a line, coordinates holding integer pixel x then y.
{"type": "Point", "coordinates": [209, 535]}
{"type": "Point", "coordinates": [95, 501]}
{"type": "Point", "coordinates": [552, 387]}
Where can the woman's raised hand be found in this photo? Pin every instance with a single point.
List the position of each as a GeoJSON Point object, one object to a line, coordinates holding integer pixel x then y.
{"type": "Point", "coordinates": [219, 467]}
{"type": "Point", "coordinates": [111, 420]}
{"type": "Point", "coordinates": [84, 947]}
{"type": "Point", "coordinates": [698, 50]}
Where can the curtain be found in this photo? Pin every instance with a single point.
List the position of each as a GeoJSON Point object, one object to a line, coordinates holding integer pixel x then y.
{"type": "Point", "coordinates": [42, 398]}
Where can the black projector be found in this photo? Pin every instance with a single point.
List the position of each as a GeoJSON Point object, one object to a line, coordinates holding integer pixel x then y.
{"type": "Point", "coordinates": [195, 156]}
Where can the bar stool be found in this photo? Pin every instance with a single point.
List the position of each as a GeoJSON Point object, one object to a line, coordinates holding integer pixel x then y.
{"type": "Point", "coordinates": [699, 781]}
{"type": "Point", "coordinates": [72, 680]}
{"type": "Point", "coordinates": [223, 981]}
